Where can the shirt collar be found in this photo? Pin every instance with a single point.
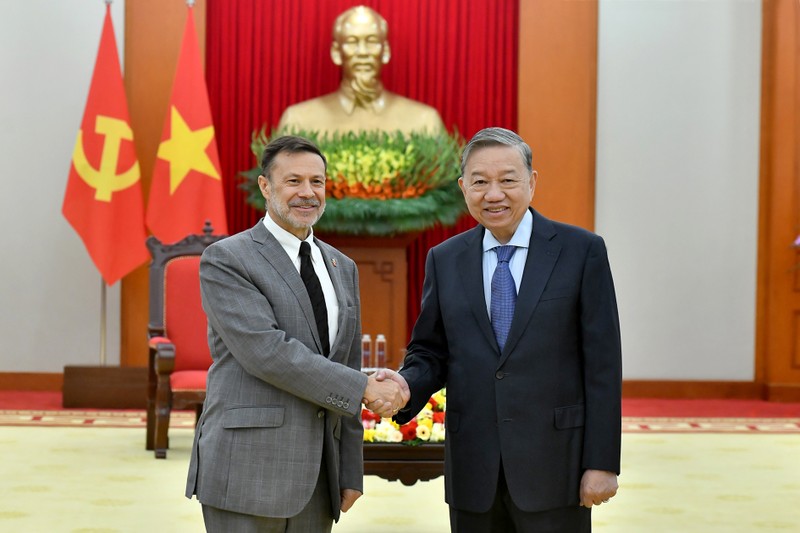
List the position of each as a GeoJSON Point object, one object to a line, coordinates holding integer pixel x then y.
{"type": "Point", "coordinates": [287, 240]}
{"type": "Point", "coordinates": [520, 239]}
{"type": "Point", "coordinates": [347, 99]}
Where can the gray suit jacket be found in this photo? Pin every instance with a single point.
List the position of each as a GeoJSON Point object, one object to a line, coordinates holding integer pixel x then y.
{"type": "Point", "coordinates": [274, 406]}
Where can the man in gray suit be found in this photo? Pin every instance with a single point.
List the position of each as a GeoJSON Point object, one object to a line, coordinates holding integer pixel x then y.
{"type": "Point", "coordinates": [278, 446]}
{"type": "Point", "coordinates": [519, 320]}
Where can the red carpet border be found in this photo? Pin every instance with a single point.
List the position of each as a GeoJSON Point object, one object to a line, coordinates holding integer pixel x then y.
{"type": "Point", "coordinates": [89, 418]}
{"type": "Point", "coordinates": [709, 425]}
{"type": "Point", "coordinates": [185, 419]}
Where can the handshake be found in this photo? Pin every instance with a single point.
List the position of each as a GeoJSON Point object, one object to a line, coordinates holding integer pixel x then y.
{"type": "Point", "coordinates": [387, 392]}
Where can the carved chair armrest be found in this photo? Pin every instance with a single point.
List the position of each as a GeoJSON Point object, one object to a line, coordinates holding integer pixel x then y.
{"type": "Point", "coordinates": [162, 353]}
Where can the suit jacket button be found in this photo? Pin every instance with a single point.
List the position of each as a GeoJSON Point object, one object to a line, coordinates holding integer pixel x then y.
{"type": "Point", "coordinates": [346, 405]}
{"type": "Point", "coordinates": [328, 399]}
{"type": "Point", "coordinates": [499, 374]}
{"type": "Point", "coordinates": [339, 403]}
{"type": "Point", "coordinates": [321, 413]}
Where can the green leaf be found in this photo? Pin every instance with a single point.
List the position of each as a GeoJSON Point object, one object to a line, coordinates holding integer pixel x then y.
{"type": "Point", "coordinates": [374, 158]}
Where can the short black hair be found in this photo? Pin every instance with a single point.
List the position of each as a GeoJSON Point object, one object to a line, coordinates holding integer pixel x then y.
{"type": "Point", "coordinates": [287, 143]}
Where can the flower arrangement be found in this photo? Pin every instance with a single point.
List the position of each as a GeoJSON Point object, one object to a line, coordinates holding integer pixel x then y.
{"type": "Point", "coordinates": [380, 183]}
{"type": "Point", "coordinates": [427, 426]}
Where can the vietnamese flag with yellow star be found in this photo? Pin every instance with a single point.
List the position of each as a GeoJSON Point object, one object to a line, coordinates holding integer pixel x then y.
{"type": "Point", "coordinates": [186, 189]}
{"type": "Point", "coordinates": [103, 201]}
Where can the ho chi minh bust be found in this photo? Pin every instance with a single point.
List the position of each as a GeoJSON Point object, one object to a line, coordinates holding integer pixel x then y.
{"type": "Point", "coordinates": [360, 47]}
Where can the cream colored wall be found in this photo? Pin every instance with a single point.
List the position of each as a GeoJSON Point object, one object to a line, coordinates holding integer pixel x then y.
{"type": "Point", "coordinates": [677, 182]}
{"type": "Point", "coordinates": [49, 288]}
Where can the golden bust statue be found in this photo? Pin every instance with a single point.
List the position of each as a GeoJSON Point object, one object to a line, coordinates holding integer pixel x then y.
{"type": "Point", "coordinates": [360, 47]}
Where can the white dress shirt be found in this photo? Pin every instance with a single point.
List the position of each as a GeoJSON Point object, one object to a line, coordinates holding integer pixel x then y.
{"type": "Point", "coordinates": [521, 239]}
{"type": "Point", "coordinates": [291, 244]}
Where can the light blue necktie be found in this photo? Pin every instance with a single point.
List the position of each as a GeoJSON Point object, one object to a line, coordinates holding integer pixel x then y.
{"type": "Point", "coordinates": [504, 295]}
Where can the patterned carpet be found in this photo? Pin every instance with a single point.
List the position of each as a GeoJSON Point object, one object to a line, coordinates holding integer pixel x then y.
{"type": "Point", "coordinates": [88, 418]}
{"type": "Point", "coordinates": [185, 419]}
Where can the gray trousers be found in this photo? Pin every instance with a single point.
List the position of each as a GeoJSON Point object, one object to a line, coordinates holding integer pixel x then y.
{"type": "Point", "coordinates": [316, 516]}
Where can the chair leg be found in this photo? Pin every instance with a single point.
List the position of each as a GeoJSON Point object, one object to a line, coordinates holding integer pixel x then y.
{"type": "Point", "coordinates": [162, 408]}
{"type": "Point", "coordinates": [152, 380]}
{"type": "Point", "coordinates": [161, 444]}
{"type": "Point", "coordinates": [151, 425]}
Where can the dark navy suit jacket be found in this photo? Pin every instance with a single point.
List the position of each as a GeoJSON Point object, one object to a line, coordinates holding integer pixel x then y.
{"type": "Point", "coordinates": [546, 408]}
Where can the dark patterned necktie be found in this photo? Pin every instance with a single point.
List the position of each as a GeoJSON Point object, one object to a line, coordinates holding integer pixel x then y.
{"type": "Point", "coordinates": [503, 296]}
{"type": "Point", "coordinates": [315, 294]}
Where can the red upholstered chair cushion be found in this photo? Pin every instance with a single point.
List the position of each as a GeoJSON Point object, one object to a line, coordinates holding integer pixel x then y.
{"type": "Point", "coordinates": [155, 341]}
{"type": "Point", "coordinates": [184, 320]}
{"type": "Point", "coordinates": [188, 380]}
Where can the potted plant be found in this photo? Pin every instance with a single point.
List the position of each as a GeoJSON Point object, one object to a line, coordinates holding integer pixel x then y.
{"type": "Point", "coordinates": [380, 184]}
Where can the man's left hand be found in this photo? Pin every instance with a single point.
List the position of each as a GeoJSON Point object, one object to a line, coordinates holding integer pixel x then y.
{"type": "Point", "coordinates": [349, 497]}
{"type": "Point", "coordinates": [597, 487]}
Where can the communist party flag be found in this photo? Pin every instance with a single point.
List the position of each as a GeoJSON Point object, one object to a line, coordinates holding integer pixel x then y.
{"type": "Point", "coordinates": [103, 200]}
{"type": "Point", "coordinates": [186, 189]}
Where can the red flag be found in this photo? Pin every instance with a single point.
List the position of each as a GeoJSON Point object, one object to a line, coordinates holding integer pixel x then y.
{"type": "Point", "coordinates": [187, 185]}
{"type": "Point", "coordinates": [103, 201]}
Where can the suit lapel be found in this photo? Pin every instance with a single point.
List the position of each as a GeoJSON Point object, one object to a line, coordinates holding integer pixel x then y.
{"type": "Point", "coordinates": [273, 252]}
{"type": "Point", "coordinates": [470, 261]}
{"type": "Point", "coordinates": [542, 256]}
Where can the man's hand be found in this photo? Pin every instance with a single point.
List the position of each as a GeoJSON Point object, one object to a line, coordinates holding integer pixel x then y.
{"type": "Point", "coordinates": [384, 398]}
{"type": "Point", "coordinates": [349, 497]}
{"type": "Point", "coordinates": [597, 486]}
{"type": "Point", "coordinates": [385, 373]}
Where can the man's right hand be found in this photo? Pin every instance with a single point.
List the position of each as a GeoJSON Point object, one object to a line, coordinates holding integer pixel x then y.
{"type": "Point", "coordinates": [384, 397]}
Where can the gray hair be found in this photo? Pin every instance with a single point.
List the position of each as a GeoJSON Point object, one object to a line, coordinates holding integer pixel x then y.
{"type": "Point", "coordinates": [498, 137]}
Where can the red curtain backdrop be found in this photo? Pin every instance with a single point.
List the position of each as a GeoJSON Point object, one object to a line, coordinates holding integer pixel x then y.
{"type": "Point", "coordinates": [459, 56]}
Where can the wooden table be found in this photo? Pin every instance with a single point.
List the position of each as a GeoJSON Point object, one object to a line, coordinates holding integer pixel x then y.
{"type": "Point", "coordinates": [408, 464]}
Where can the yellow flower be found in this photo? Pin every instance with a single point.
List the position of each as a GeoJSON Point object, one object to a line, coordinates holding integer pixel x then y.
{"type": "Point", "coordinates": [423, 432]}
{"type": "Point", "coordinates": [369, 435]}
{"type": "Point", "coordinates": [440, 398]}
{"type": "Point", "coordinates": [427, 422]}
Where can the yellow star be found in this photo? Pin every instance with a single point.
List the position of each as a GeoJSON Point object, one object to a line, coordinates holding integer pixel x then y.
{"type": "Point", "coordinates": [186, 150]}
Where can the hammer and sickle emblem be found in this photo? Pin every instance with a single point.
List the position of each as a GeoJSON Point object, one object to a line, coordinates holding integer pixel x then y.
{"type": "Point", "coordinates": [104, 180]}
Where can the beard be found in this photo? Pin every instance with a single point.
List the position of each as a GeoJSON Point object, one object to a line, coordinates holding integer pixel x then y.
{"type": "Point", "coordinates": [366, 86]}
{"type": "Point", "coordinates": [283, 211]}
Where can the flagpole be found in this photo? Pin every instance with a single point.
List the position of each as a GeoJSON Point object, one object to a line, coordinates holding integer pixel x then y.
{"type": "Point", "coordinates": [103, 300]}
{"type": "Point", "coordinates": [102, 322]}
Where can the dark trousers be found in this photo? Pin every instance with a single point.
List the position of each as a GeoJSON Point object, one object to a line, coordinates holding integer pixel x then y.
{"type": "Point", "coordinates": [505, 517]}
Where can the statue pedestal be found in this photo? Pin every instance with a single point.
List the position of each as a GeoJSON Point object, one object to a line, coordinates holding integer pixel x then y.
{"type": "Point", "coordinates": [383, 277]}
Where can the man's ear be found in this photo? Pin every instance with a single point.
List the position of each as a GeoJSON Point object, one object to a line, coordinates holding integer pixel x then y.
{"type": "Point", "coordinates": [387, 53]}
{"type": "Point", "coordinates": [263, 184]}
{"type": "Point", "coordinates": [336, 54]}
{"type": "Point", "coordinates": [462, 186]}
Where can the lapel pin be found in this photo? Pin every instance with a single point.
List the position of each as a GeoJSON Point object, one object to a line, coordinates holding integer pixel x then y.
{"type": "Point", "coordinates": [333, 262]}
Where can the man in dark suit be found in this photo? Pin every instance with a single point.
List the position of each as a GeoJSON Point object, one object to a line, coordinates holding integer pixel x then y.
{"type": "Point", "coordinates": [278, 447]}
{"type": "Point", "coordinates": [519, 320]}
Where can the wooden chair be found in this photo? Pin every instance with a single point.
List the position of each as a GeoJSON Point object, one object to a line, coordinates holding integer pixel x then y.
{"type": "Point", "coordinates": [179, 357]}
